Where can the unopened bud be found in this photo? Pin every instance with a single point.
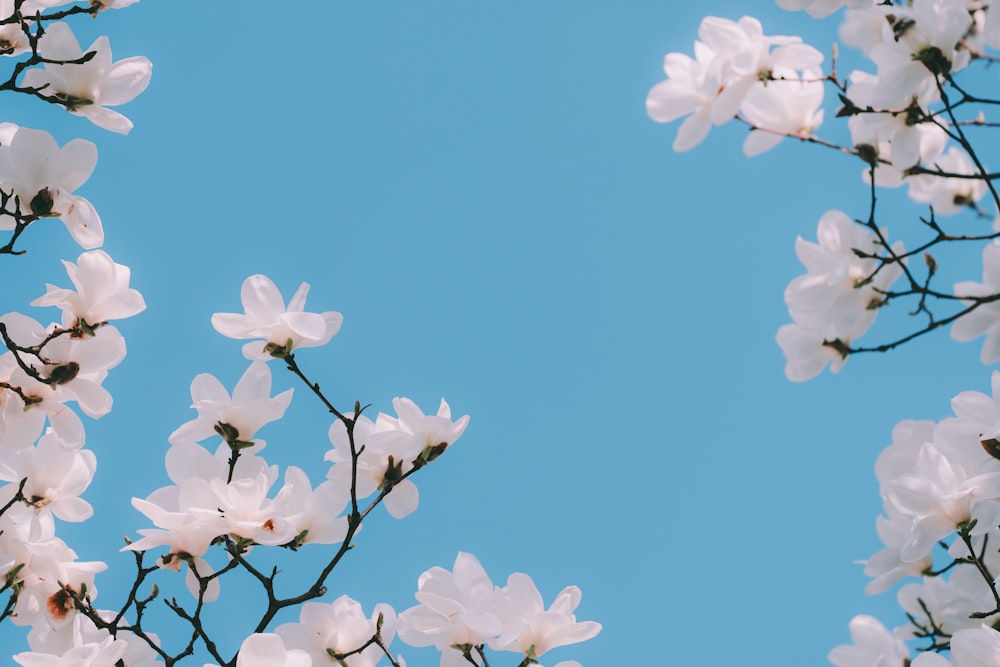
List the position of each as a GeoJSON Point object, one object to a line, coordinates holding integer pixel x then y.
{"type": "Point", "coordinates": [838, 345]}
{"type": "Point", "coordinates": [393, 474]}
{"type": "Point", "coordinates": [931, 263]}
{"type": "Point", "coordinates": [41, 204]}
{"type": "Point", "coordinates": [65, 373]}
{"type": "Point", "coordinates": [992, 447]}
{"type": "Point", "coordinates": [227, 431]}
{"type": "Point", "coordinates": [279, 351]}
{"type": "Point", "coordinates": [72, 102]}
{"type": "Point", "coordinates": [933, 59]}
{"type": "Point", "coordinates": [868, 153]}
{"type": "Point", "coordinates": [431, 452]}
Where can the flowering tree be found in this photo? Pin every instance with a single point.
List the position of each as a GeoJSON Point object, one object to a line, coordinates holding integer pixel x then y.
{"type": "Point", "coordinates": [225, 505]}
{"type": "Point", "coordinates": [916, 114]}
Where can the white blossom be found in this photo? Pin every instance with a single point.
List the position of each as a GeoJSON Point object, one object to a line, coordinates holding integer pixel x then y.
{"type": "Point", "coordinates": [88, 89]}
{"type": "Point", "coordinates": [265, 316]}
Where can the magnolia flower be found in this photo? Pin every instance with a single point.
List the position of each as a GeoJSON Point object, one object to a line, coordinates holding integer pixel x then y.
{"type": "Point", "coordinates": [970, 438]}
{"type": "Point", "coordinates": [315, 513]}
{"type": "Point", "coordinates": [249, 513]}
{"type": "Point", "coordinates": [392, 447]}
{"type": "Point", "coordinates": [940, 497]}
{"type": "Point", "coordinates": [56, 477]}
{"type": "Point", "coordinates": [46, 579]}
{"type": "Point", "coordinates": [863, 28]}
{"type": "Point", "coordinates": [102, 292]}
{"type": "Point", "coordinates": [531, 629]}
{"type": "Point", "coordinates": [456, 607]}
{"type": "Point", "coordinates": [821, 8]}
{"type": "Point", "coordinates": [872, 646]}
{"type": "Point", "coordinates": [789, 106]}
{"type": "Point", "coordinates": [922, 43]}
{"type": "Point", "coordinates": [985, 319]}
{"type": "Point", "coordinates": [267, 650]}
{"type": "Point", "coordinates": [236, 419]}
{"type": "Point", "coordinates": [82, 631]}
{"type": "Point", "coordinates": [13, 41]}
{"type": "Point", "coordinates": [808, 351]}
{"type": "Point", "coordinates": [87, 89]}
{"type": "Point", "coordinates": [975, 647]}
{"type": "Point", "coordinates": [890, 135]}
{"type": "Point", "coordinates": [338, 628]}
{"type": "Point", "coordinates": [886, 566]}
{"type": "Point", "coordinates": [188, 533]}
{"type": "Point", "coordinates": [43, 176]}
{"type": "Point", "coordinates": [840, 289]}
{"type": "Point", "coordinates": [106, 653]}
{"type": "Point", "coordinates": [945, 603]}
{"type": "Point", "coordinates": [948, 195]}
{"type": "Point", "coordinates": [731, 58]}
{"type": "Point", "coordinates": [836, 300]}
{"type": "Point", "coordinates": [265, 316]}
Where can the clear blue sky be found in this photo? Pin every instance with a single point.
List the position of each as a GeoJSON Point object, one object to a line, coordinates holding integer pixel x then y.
{"type": "Point", "coordinates": [477, 188]}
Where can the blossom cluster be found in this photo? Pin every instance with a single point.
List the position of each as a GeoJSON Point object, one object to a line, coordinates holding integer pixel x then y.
{"type": "Point", "coordinates": [461, 612]}
{"type": "Point", "coordinates": [908, 116]}
{"type": "Point", "coordinates": [901, 125]}
{"type": "Point", "coordinates": [940, 485]}
{"type": "Point", "coordinates": [224, 494]}
{"type": "Point", "coordinates": [226, 489]}
{"type": "Point", "coordinates": [773, 83]}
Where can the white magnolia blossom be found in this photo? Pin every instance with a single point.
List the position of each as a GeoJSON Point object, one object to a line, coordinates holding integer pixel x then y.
{"type": "Point", "coordinates": [102, 292]}
{"type": "Point", "coordinates": [790, 106]}
{"type": "Point", "coordinates": [81, 632]}
{"type": "Point", "coordinates": [531, 629]}
{"type": "Point", "coordinates": [985, 319]}
{"type": "Point", "coordinates": [463, 607]}
{"type": "Point", "coordinates": [236, 419]}
{"type": "Point", "coordinates": [948, 601]}
{"type": "Point", "coordinates": [872, 646]}
{"type": "Point", "coordinates": [837, 299]}
{"type": "Point", "coordinates": [267, 650]}
{"type": "Point", "coordinates": [56, 477]}
{"type": "Point", "coordinates": [975, 647]}
{"type": "Point", "coordinates": [941, 497]}
{"type": "Point", "coordinates": [78, 366]}
{"type": "Point", "coordinates": [864, 27]}
{"type": "Point", "coordinates": [13, 41]}
{"type": "Point", "coordinates": [315, 514]}
{"type": "Point", "coordinates": [392, 447]}
{"type": "Point", "coordinates": [338, 628]}
{"type": "Point", "coordinates": [948, 196]}
{"type": "Point", "coordinates": [42, 176]}
{"type": "Point", "coordinates": [890, 135]}
{"type": "Point", "coordinates": [187, 532]}
{"type": "Point", "coordinates": [821, 8]}
{"type": "Point", "coordinates": [886, 567]}
{"type": "Point", "coordinates": [457, 607]}
{"type": "Point", "coordinates": [88, 89]}
{"type": "Point", "coordinates": [922, 42]}
{"type": "Point", "coordinates": [967, 438]}
{"type": "Point", "coordinates": [105, 653]}
{"type": "Point", "coordinates": [808, 351]}
{"type": "Point", "coordinates": [731, 59]}
{"type": "Point", "coordinates": [265, 316]}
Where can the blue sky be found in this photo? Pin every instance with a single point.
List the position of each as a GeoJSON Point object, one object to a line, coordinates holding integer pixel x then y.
{"type": "Point", "coordinates": [477, 188]}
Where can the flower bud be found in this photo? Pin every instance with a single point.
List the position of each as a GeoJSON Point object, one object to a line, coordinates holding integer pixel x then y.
{"type": "Point", "coordinates": [41, 204]}
{"type": "Point", "coordinates": [64, 373]}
